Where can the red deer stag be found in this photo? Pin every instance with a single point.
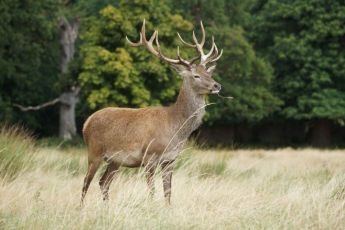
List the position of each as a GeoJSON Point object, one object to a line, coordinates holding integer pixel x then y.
{"type": "Point", "coordinates": [152, 136]}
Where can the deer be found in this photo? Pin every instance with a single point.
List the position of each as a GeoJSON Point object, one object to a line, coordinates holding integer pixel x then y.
{"type": "Point", "coordinates": [151, 137]}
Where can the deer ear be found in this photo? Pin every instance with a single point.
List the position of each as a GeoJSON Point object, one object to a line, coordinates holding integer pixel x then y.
{"type": "Point", "coordinates": [179, 69]}
{"type": "Point", "coordinates": [210, 69]}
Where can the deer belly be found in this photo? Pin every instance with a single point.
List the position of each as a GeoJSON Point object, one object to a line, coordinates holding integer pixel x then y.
{"type": "Point", "coordinates": [125, 159]}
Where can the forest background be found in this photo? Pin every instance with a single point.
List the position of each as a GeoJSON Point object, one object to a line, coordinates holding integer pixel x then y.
{"type": "Point", "coordinates": [283, 62]}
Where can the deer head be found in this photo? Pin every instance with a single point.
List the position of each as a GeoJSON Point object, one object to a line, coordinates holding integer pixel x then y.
{"type": "Point", "coordinates": [198, 77]}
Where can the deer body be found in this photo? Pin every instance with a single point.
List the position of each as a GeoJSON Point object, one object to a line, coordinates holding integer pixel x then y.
{"type": "Point", "coordinates": [152, 136]}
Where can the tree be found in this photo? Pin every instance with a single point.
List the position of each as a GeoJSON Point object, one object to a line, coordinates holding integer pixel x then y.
{"type": "Point", "coordinates": [243, 74]}
{"type": "Point", "coordinates": [114, 74]}
{"type": "Point", "coordinates": [28, 60]}
{"type": "Point", "coordinates": [70, 95]}
{"type": "Point", "coordinates": [305, 43]}
{"type": "Point", "coordinates": [28, 51]}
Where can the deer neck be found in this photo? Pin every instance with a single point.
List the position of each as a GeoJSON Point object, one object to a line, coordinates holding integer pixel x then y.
{"type": "Point", "coordinates": [189, 108]}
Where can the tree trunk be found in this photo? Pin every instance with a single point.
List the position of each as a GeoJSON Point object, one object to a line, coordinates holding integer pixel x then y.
{"type": "Point", "coordinates": [321, 133]}
{"type": "Point", "coordinates": [67, 114]}
{"type": "Point", "coordinates": [68, 36]}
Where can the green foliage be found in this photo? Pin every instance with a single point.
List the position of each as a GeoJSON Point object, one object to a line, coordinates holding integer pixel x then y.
{"type": "Point", "coordinates": [304, 41]}
{"type": "Point", "coordinates": [28, 58]}
{"type": "Point", "coordinates": [297, 57]}
{"type": "Point", "coordinates": [242, 74]}
{"type": "Point", "coordinates": [91, 7]}
{"type": "Point", "coordinates": [245, 77]}
{"type": "Point", "coordinates": [16, 151]}
{"type": "Point", "coordinates": [115, 74]}
{"type": "Point", "coordinates": [218, 12]}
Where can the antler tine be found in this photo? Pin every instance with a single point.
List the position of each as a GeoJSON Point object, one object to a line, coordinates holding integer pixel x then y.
{"type": "Point", "coordinates": [194, 59]}
{"type": "Point", "coordinates": [149, 47]}
{"type": "Point", "coordinates": [203, 34]}
{"type": "Point", "coordinates": [198, 46]}
{"type": "Point", "coordinates": [195, 41]}
{"type": "Point", "coordinates": [185, 43]}
{"type": "Point", "coordinates": [143, 31]}
{"type": "Point", "coordinates": [206, 58]}
{"type": "Point", "coordinates": [144, 42]}
{"type": "Point", "coordinates": [169, 60]}
{"type": "Point", "coordinates": [211, 51]}
{"type": "Point", "coordinates": [191, 46]}
{"type": "Point", "coordinates": [140, 43]}
{"type": "Point", "coordinates": [142, 37]}
{"type": "Point", "coordinates": [194, 38]}
{"type": "Point", "coordinates": [215, 57]}
{"type": "Point", "coordinates": [201, 44]}
{"type": "Point", "coordinates": [182, 61]}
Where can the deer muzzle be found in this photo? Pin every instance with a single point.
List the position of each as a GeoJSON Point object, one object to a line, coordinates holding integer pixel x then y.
{"type": "Point", "coordinates": [216, 88]}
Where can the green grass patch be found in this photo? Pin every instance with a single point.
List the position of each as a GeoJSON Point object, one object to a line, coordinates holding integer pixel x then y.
{"type": "Point", "coordinates": [17, 150]}
{"type": "Point", "coordinates": [60, 143]}
{"type": "Point", "coordinates": [216, 168]}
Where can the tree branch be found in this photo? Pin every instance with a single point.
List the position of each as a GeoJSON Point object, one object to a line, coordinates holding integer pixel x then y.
{"type": "Point", "coordinates": [22, 108]}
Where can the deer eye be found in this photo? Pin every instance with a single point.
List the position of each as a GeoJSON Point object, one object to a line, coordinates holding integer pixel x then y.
{"type": "Point", "coordinates": [196, 76]}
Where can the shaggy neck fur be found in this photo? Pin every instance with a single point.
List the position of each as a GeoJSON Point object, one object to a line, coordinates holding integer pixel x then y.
{"type": "Point", "coordinates": [189, 106]}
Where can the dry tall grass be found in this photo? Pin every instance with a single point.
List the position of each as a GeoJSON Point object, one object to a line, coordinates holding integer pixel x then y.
{"type": "Point", "coordinates": [242, 189]}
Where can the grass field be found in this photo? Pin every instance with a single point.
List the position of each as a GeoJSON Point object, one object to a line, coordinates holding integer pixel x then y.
{"type": "Point", "coordinates": [40, 188]}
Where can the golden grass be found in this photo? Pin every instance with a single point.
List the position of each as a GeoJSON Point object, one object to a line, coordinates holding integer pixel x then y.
{"type": "Point", "coordinates": [242, 189]}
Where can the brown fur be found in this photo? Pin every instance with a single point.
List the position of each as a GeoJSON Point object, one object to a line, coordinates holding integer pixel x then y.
{"type": "Point", "coordinates": [146, 137]}
{"type": "Point", "coordinates": [152, 136]}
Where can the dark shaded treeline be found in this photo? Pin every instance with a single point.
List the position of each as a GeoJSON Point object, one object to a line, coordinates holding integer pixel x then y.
{"type": "Point", "coordinates": [283, 63]}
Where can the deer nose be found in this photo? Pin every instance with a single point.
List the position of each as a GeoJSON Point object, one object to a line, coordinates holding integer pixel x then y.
{"type": "Point", "coordinates": [217, 86]}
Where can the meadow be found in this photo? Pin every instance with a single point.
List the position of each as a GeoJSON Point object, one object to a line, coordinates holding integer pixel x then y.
{"type": "Point", "coordinates": [40, 188]}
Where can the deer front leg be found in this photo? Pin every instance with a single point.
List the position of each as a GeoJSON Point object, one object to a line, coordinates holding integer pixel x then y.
{"type": "Point", "coordinates": [167, 170]}
{"type": "Point", "coordinates": [150, 174]}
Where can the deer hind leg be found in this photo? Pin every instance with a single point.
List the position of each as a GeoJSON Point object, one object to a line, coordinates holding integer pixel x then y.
{"type": "Point", "coordinates": [107, 178]}
{"type": "Point", "coordinates": [92, 169]}
{"type": "Point", "coordinates": [167, 170]}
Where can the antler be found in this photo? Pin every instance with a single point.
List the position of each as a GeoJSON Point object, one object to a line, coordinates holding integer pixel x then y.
{"type": "Point", "coordinates": [204, 59]}
{"type": "Point", "coordinates": [149, 47]}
